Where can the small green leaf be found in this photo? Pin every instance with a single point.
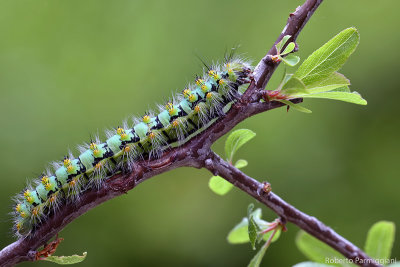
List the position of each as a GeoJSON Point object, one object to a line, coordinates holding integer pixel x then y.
{"type": "Point", "coordinates": [64, 260]}
{"type": "Point", "coordinates": [235, 140]}
{"type": "Point", "coordinates": [291, 60]}
{"type": "Point", "coordinates": [239, 234]}
{"type": "Point", "coordinates": [294, 86]}
{"type": "Point", "coordinates": [316, 250]}
{"type": "Point", "coordinates": [329, 58]}
{"type": "Point", "coordinates": [241, 163]}
{"type": "Point", "coordinates": [282, 43]}
{"type": "Point", "coordinates": [289, 48]}
{"type": "Point", "coordinates": [219, 185]}
{"type": "Point", "coordinates": [380, 240]}
{"type": "Point", "coordinates": [352, 97]}
{"type": "Point", "coordinates": [256, 260]}
{"type": "Point", "coordinates": [296, 106]}
{"type": "Point", "coordinates": [310, 264]}
{"type": "Point", "coordinates": [253, 230]}
{"type": "Point", "coordinates": [250, 210]}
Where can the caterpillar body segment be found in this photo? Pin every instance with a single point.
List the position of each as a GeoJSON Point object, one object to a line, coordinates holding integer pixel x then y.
{"type": "Point", "coordinates": [199, 105]}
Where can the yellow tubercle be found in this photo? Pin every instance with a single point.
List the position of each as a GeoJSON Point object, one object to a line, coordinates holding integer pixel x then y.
{"type": "Point", "coordinates": [197, 108]}
{"type": "Point", "coordinates": [199, 81]}
{"type": "Point", "coordinates": [45, 180]}
{"type": "Point", "coordinates": [170, 108]}
{"type": "Point", "coordinates": [67, 162]}
{"type": "Point", "coordinates": [28, 197]}
{"type": "Point", "coordinates": [73, 182]}
{"type": "Point", "coordinates": [96, 153]}
{"type": "Point", "coordinates": [70, 168]}
{"type": "Point", "coordinates": [209, 95]}
{"type": "Point", "coordinates": [186, 92]}
{"type": "Point", "coordinates": [146, 118]}
{"type": "Point", "coordinates": [93, 146]}
{"type": "Point", "coordinates": [175, 123]}
{"type": "Point", "coordinates": [35, 211]}
{"type": "Point", "coordinates": [192, 98]}
{"type": "Point", "coordinates": [120, 131]}
{"type": "Point", "coordinates": [53, 198]}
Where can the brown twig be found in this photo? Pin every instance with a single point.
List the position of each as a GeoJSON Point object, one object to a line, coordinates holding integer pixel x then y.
{"type": "Point", "coordinates": [196, 153]}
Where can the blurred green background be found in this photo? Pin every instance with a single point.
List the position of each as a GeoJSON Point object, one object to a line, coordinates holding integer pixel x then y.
{"type": "Point", "coordinates": [73, 68]}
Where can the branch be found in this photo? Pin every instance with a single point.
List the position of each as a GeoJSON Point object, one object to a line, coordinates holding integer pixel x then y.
{"type": "Point", "coordinates": [195, 153]}
{"type": "Point", "coordinates": [311, 225]}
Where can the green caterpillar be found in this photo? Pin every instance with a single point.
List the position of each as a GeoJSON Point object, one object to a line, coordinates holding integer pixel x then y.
{"type": "Point", "coordinates": [200, 104]}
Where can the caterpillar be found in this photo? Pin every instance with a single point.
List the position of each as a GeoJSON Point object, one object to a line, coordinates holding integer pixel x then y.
{"type": "Point", "coordinates": [198, 106]}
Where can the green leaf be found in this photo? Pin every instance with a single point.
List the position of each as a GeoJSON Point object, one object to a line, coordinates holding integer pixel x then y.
{"type": "Point", "coordinates": [334, 81]}
{"type": "Point", "coordinates": [380, 240]}
{"type": "Point", "coordinates": [235, 140]}
{"type": "Point", "coordinates": [294, 86]}
{"type": "Point", "coordinates": [287, 77]}
{"type": "Point", "coordinates": [256, 260]}
{"type": "Point", "coordinates": [316, 250]}
{"type": "Point", "coordinates": [310, 264]}
{"type": "Point", "coordinates": [282, 43]}
{"type": "Point", "coordinates": [241, 163]}
{"type": "Point", "coordinates": [291, 60]}
{"type": "Point", "coordinates": [64, 260]}
{"type": "Point", "coordinates": [296, 106]}
{"type": "Point", "coordinates": [276, 236]}
{"type": "Point", "coordinates": [329, 58]}
{"type": "Point", "coordinates": [352, 97]}
{"type": "Point", "coordinates": [341, 89]}
{"type": "Point", "coordinates": [289, 48]}
{"type": "Point", "coordinates": [219, 185]}
{"type": "Point", "coordinates": [239, 234]}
